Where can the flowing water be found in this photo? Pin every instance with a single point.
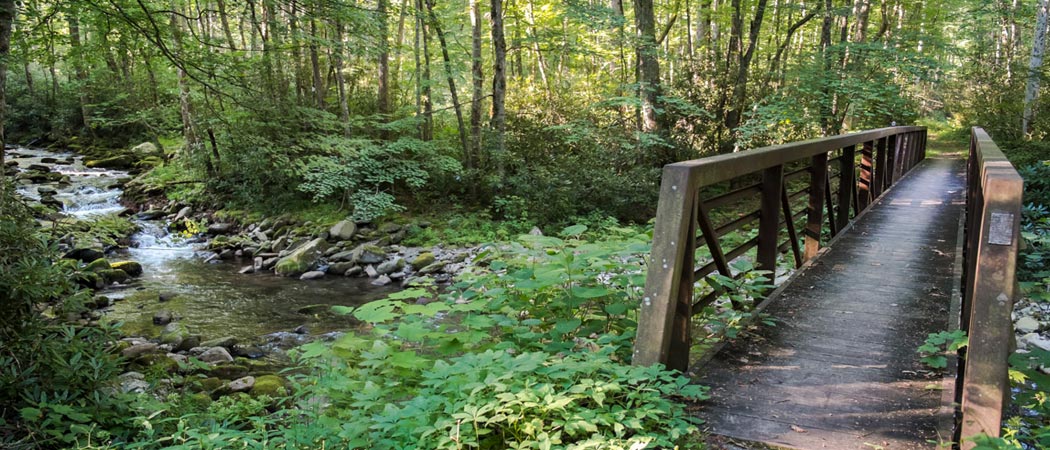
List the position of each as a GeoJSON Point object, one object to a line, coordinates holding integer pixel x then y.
{"type": "Point", "coordinates": [210, 297]}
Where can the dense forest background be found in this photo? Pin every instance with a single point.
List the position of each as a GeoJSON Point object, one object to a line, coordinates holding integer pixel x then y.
{"type": "Point", "coordinates": [551, 109]}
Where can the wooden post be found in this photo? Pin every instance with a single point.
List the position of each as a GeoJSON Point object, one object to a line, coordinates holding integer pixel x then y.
{"type": "Point", "coordinates": [865, 185]}
{"type": "Point", "coordinates": [818, 175]}
{"type": "Point", "coordinates": [893, 146]}
{"type": "Point", "coordinates": [881, 161]}
{"type": "Point", "coordinates": [769, 223]}
{"type": "Point", "coordinates": [986, 386]}
{"type": "Point", "coordinates": [846, 183]}
{"type": "Point", "coordinates": [669, 279]}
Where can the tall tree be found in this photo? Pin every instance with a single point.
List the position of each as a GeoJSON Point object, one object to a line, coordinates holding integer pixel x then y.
{"type": "Point", "coordinates": [383, 82]}
{"type": "Point", "coordinates": [498, 122]}
{"type": "Point", "coordinates": [1035, 65]}
{"type": "Point", "coordinates": [648, 66]}
{"type": "Point", "coordinates": [477, 82]}
{"type": "Point", "coordinates": [7, 18]}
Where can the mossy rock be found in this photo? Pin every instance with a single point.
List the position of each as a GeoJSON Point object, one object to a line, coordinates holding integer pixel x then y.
{"type": "Point", "coordinates": [114, 276]}
{"type": "Point", "coordinates": [302, 259]}
{"type": "Point", "coordinates": [132, 268]}
{"type": "Point", "coordinates": [98, 265]}
{"type": "Point", "coordinates": [229, 371]}
{"type": "Point", "coordinates": [156, 362]}
{"type": "Point", "coordinates": [89, 280]}
{"type": "Point", "coordinates": [423, 260]}
{"type": "Point", "coordinates": [199, 401]}
{"type": "Point", "coordinates": [210, 384]}
{"type": "Point", "coordinates": [114, 162]}
{"type": "Point", "coordinates": [272, 386]}
{"type": "Point", "coordinates": [175, 334]}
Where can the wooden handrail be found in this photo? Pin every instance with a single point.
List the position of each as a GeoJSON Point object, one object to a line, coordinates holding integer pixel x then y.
{"type": "Point", "coordinates": [992, 232]}
{"type": "Point", "coordinates": [885, 155]}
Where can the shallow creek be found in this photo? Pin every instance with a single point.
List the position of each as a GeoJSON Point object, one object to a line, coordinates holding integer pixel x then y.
{"type": "Point", "coordinates": [210, 297]}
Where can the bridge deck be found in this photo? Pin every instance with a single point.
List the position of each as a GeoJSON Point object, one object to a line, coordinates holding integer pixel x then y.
{"type": "Point", "coordinates": [840, 368]}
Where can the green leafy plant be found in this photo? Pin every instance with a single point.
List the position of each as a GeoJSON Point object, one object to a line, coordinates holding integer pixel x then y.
{"type": "Point", "coordinates": [939, 345]}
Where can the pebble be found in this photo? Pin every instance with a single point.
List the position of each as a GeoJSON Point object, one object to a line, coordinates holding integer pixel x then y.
{"type": "Point", "coordinates": [244, 384]}
{"type": "Point", "coordinates": [216, 355]}
{"type": "Point", "coordinates": [312, 275]}
{"type": "Point", "coordinates": [1026, 325]}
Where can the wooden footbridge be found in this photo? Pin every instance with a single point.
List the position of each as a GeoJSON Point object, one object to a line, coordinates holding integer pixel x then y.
{"type": "Point", "coordinates": [882, 246]}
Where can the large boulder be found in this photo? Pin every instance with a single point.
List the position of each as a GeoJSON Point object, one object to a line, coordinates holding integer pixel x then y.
{"type": "Point", "coordinates": [343, 230]}
{"type": "Point", "coordinates": [84, 255]}
{"type": "Point", "coordinates": [115, 162]}
{"type": "Point", "coordinates": [423, 260]}
{"type": "Point", "coordinates": [302, 259]}
{"type": "Point", "coordinates": [369, 254]}
{"type": "Point", "coordinates": [176, 334]}
{"type": "Point", "coordinates": [131, 268]}
{"type": "Point", "coordinates": [98, 265]}
{"type": "Point", "coordinates": [216, 355]}
{"type": "Point", "coordinates": [220, 228]}
{"type": "Point", "coordinates": [146, 149]}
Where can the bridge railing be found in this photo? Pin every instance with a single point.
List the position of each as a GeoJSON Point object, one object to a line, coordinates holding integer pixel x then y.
{"type": "Point", "coordinates": [789, 189]}
{"type": "Point", "coordinates": [993, 217]}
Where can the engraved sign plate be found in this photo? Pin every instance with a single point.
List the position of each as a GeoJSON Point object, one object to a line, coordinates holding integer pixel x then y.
{"type": "Point", "coordinates": [1001, 231]}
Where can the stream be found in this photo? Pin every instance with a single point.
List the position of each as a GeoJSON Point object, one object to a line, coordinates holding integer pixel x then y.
{"type": "Point", "coordinates": [210, 297]}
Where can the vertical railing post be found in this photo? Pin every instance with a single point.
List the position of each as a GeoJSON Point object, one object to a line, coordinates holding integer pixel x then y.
{"type": "Point", "coordinates": [769, 221]}
{"type": "Point", "coordinates": [884, 164]}
{"type": "Point", "coordinates": [986, 386]}
{"type": "Point", "coordinates": [818, 176]}
{"type": "Point", "coordinates": [866, 186]}
{"type": "Point", "coordinates": [667, 298]}
{"type": "Point", "coordinates": [847, 166]}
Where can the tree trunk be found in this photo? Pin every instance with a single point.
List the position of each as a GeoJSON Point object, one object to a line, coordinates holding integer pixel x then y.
{"type": "Point", "coordinates": [428, 105]}
{"type": "Point", "coordinates": [225, 20]}
{"type": "Point", "coordinates": [337, 57]}
{"type": "Point", "coordinates": [1035, 65]}
{"type": "Point", "coordinates": [648, 66]}
{"type": "Point", "coordinates": [499, 83]}
{"type": "Point", "coordinates": [734, 116]}
{"type": "Point", "coordinates": [189, 128]}
{"type": "Point", "coordinates": [395, 74]}
{"type": "Point", "coordinates": [477, 77]}
{"type": "Point", "coordinates": [315, 65]}
{"type": "Point", "coordinates": [825, 54]}
{"type": "Point", "coordinates": [463, 139]}
{"type": "Point", "coordinates": [7, 18]}
{"type": "Point", "coordinates": [383, 88]}
{"type": "Point", "coordinates": [79, 71]}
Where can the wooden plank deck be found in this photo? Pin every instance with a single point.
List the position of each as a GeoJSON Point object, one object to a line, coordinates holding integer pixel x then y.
{"type": "Point", "coordinates": [840, 369]}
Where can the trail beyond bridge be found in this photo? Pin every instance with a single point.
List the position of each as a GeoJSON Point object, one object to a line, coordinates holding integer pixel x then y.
{"type": "Point", "coordinates": [890, 246]}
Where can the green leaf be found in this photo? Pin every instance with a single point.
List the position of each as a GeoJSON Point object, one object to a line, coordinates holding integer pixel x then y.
{"type": "Point", "coordinates": [574, 230]}
{"type": "Point", "coordinates": [567, 325]}
{"type": "Point", "coordinates": [376, 312]}
{"type": "Point", "coordinates": [616, 309]}
{"type": "Point", "coordinates": [31, 414]}
{"type": "Point", "coordinates": [342, 310]}
{"type": "Point", "coordinates": [409, 293]}
{"type": "Point", "coordinates": [411, 331]}
{"type": "Point", "coordinates": [590, 292]}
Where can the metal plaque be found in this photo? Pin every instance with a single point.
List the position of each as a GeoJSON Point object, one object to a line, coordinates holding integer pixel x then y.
{"type": "Point", "coordinates": [1001, 231]}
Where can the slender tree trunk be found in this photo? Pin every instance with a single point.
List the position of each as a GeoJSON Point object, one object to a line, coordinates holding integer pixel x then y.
{"type": "Point", "coordinates": [79, 71]}
{"type": "Point", "coordinates": [499, 83]}
{"type": "Point", "coordinates": [189, 128]}
{"type": "Point", "coordinates": [1035, 65]}
{"type": "Point", "coordinates": [383, 87]}
{"type": "Point", "coordinates": [541, 63]}
{"type": "Point", "coordinates": [825, 54]}
{"type": "Point", "coordinates": [733, 118]}
{"type": "Point", "coordinates": [456, 106]}
{"type": "Point", "coordinates": [337, 57]}
{"type": "Point", "coordinates": [225, 20]}
{"type": "Point", "coordinates": [648, 66]}
{"type": "Point", "coordinates": [477, 78]}
{"type": "Point", "coordinates": [395, 74]}
{"type": "Point", "coordinates": [428, 105]}
{"type": "Point", "coordinates": [7, 18]}
{"type": "Point", "coordinates": [315, 66]}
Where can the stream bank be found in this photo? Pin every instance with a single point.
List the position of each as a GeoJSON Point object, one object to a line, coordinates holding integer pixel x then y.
{"type": "Point", "coordinates": [193, 286]}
